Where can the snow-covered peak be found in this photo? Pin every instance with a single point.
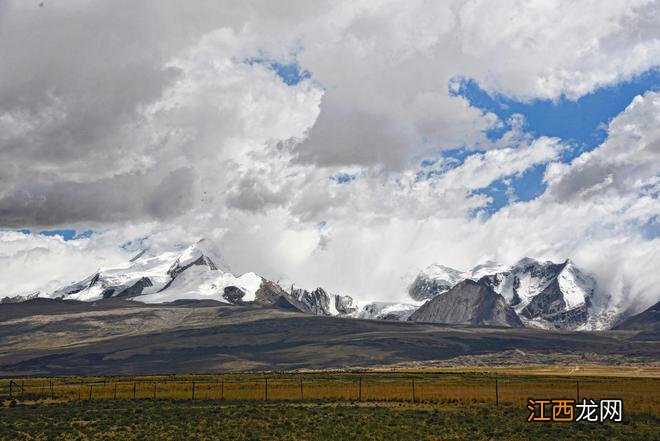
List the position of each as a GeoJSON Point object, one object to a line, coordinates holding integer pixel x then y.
{"type": "Point", "coordinates": [441, 272]}
{"type": "Point", "coordinates": [195, 268]}
{"type": "Point", "coordinates": [576, 286]}
{"type": "Point", "coordinates": [433, 280]}
{"type": "Point", "coordinates": [205, 249]}
{"type": "Point", "coordinates": [543, 293]}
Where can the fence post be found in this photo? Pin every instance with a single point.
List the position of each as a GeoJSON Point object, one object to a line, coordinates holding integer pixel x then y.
{"type": "Point", "coordinates": [90, 392]}
{"type": "Point", "coordinates": [301, 390]}
{"type": "Point", "coordinates": [22, 388]}
{"type": "Point", "coordinates": [154, 390]}
{"type": "Point", "coordinates": [360, 389]}
{"type": "Point", "coordinates": [193, 390]}
{"type": "Point", "coordinates": [11, 384]}
{"type": "Point", "coordinates": [80, 392]}
{"type": "Point", "coordinates": [497, 394]}
{"type": "Point", "coordinates": [134, 388]}
{"type": "Point", "coordinates": [266, 389]}
{"type": "Point", "coordinates": [52, 397]}
{"type": "Point", "coordinates": [114, 397]}
{"type": "Point", "coordinates": [577, 390]}
{"type": "Point", "coordinates": [222, 389]}
{"type": "Point", "coordinates": [413, 389]}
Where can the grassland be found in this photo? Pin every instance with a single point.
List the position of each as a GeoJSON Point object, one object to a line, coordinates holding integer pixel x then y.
{"type": "Point", "coordinates": [640, 392]}
{"type": "Point", "coordinates": [202, 420]}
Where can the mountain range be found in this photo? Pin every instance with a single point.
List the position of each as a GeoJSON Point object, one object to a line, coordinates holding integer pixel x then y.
{"type": "Point", "coordinates": [527, 294]}
{"type": "Point", "coordinates": [541, 294]}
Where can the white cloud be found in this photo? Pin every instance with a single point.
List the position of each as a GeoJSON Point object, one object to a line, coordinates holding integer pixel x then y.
{"type": "Point", "coordinates": [33, 263]}
{"type": "Point", "coordinates": [145, 119]}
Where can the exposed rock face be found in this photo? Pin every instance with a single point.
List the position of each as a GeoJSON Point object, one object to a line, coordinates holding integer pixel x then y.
{"type": "Point", "coordinates": [424, 288]}
{"type": "Point", "coordinates": [469, 303]}
{"type": "Point", "coordinates": [180, 267]}
{"type": "Point", "coordinates": [648, 320]}
{"type": "Point", "coordinates": [128, 291]}
{"type": "Point", "coordinates": [233, 294]}
{"type": "Point", "coordinates": [77, 287]}
{"type": "Point", "coordinates": [316, 302]}
{"type": "Point", "coordinates": [345, 305]}
{"type": "Point", "coordinates": [320, 302]}
{"type": "Point", "coordinates": [269, 293]}
{"type": "Point", "coordinates": [551, 306]}
{"type": "Point", "coordinates": [19, 298]}
{"type": "Point", "coordinates": [565, 297]}
{"type": "Point", "coordinates": [433, 281]}
{"type": "Point", "coordinates": [285, 303]}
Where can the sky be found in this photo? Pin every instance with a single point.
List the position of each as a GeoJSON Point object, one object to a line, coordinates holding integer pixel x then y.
{"type": "Point", "coordinates": [343, 144]}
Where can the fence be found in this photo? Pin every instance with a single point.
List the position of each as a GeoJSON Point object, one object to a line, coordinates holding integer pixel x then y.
{"type": "Point", "coordinates": [638, 394]}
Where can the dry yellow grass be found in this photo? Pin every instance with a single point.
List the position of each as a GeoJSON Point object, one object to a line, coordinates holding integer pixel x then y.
{"type": "Point", "coordinates": [639, 393]}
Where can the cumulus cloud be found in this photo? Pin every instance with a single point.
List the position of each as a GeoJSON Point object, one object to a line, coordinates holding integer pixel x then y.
{"type": "Point", "coordinates": [624, 164]}
{"type": "Point", "coordinates": [154, 120]}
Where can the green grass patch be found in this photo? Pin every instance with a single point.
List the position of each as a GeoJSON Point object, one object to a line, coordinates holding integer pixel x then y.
{"type": "Point", "coordinates": [200, 420]}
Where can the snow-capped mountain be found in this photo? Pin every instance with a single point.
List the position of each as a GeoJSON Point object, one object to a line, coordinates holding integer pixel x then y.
{"type": "Point", "coordinates": [320, 302]}
{"type": "Point", "coordinates": [543, 294]}
{"type": "Point", "coordinates": [434, 280]}
{"type": "Point", "coordinates": [386, 311]}
{"type": "Point", "coordinates": [197, 273]}
{"type": "Point", "coordinates": [469, 303]}
{"type": "Point", "coordinates": [162, 277]}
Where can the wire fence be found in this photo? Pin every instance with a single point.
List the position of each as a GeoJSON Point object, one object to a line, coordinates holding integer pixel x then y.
{"type": "Point", "coordinates": [638, 394]}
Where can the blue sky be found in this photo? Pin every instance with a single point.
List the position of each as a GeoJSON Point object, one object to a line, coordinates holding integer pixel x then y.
{"type": "Point", "coordinates": [343, 178]}
{"type": "Point", "coordinates": [67, 234]}
{"type": "Point", "coordinates": [290, 73]}
{"type": "Point", "coordinates": [581, 124]}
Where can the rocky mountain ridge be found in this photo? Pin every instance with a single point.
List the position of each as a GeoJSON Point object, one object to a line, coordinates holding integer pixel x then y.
{"type": "Point", "coordinates": [542, 294]}
{"type": "Point", "coordinates": [529, 293]}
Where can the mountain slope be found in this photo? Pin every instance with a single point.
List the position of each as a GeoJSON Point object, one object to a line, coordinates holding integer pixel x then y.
{"type": "Point", "coordinates": [468, 303]}
{"type": "Point", "coordinates": [647, 320]}
{"type": "Point", "coordinates": [54, 337]}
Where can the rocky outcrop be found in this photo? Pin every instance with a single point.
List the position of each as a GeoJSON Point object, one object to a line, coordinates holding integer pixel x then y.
{"type": "Point", "coordinates": [18, 298]}
{"type": "Point", "coordinates": [469, 303]}
{"type": "Point", "coordinates": [286, 304]}
{"type": "Point", "coordinates": [180, 267]}
{"type": "Point", "coordinates": [316, 302]}
{"type": "Point", "coordinates": [131, 290]}
{"type": "Point", "coordinates": [424, 288]}
{"type": "Point", "coordinates": [345, 305]}
{"type": "Point", "coordinates": [233, 294]}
